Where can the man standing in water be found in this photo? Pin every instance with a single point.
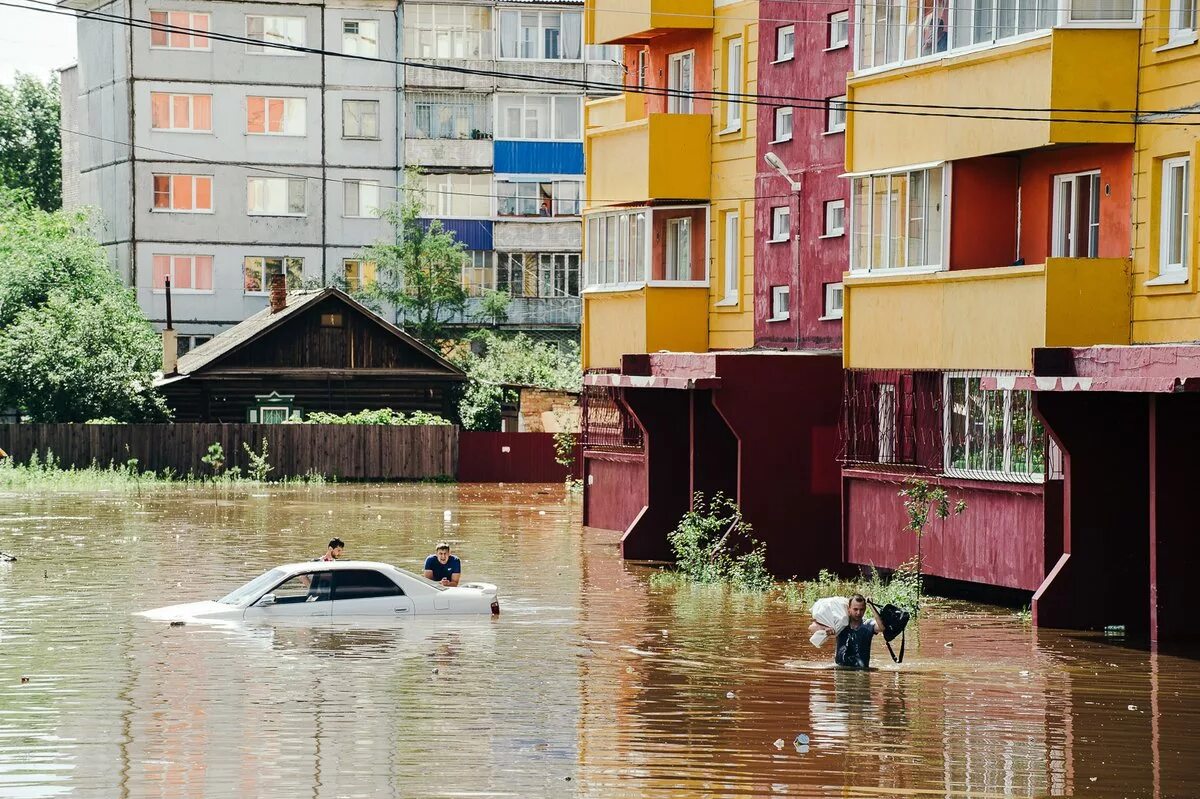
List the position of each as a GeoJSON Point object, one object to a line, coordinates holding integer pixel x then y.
{"type": "Point", "coordinates": [854, 641]}
{"type": "Point", "coordinates": [442, 567]}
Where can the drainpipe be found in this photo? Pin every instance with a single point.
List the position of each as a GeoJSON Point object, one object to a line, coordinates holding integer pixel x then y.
{"type": "Point", "coordinates": [170, 357]}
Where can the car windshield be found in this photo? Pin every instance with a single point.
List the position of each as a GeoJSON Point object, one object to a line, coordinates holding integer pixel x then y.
{"type": "Point", "coordinates": [252, 589]}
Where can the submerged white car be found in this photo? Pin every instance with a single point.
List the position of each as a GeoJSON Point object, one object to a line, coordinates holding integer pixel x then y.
{"type": "Point", "coordinates": [320, 590]}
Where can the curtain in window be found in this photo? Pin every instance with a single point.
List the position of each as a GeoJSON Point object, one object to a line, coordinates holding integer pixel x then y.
{"type": "Point", "coordinates": [572, 35]}
{"type": "Point", "coordinates": [508, 34]}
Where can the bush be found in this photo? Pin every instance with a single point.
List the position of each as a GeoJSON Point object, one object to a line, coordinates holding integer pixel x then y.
{"type": "Point", "coordinates": [902, 589]}
{"type": "Point", "coordinates": [385, 416]}
{"type": "Point", "coordinates": [512, 360]}
{"type": "Point", "coordinates": [714, 544]}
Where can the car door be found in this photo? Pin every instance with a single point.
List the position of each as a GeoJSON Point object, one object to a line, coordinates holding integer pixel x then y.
{"type": "Point", "coordinates": [367, 592]}
{"type": "Point", "coordinates": [306, 595]}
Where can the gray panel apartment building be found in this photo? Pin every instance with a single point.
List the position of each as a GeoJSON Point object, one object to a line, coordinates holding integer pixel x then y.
{"type": "Point", "coordinates": [249, 161]}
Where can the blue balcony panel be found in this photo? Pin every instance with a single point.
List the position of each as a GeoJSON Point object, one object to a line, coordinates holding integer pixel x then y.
{"type": "Point", "coordinates": [538, 157]}
{"type": "Point", "coordinates": [475, 233]}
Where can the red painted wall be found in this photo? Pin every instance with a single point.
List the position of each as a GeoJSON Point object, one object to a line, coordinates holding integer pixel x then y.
{"type": "Point", "coordinates": [816, 160]}
{"type": "Point", "coordinates": [482, 458]}
{"type": "Point", "coordinates": [983, 212]}
{"type": "Point", "coordinates": [660, 49]}
{"type": "Point", "coordinates": [999, 539]}
{"type": "Point", "coordinates": [614, 490]}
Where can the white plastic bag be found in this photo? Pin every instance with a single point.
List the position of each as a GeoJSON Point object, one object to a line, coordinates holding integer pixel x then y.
{"type": "Point", "coordinates": [831, 612]}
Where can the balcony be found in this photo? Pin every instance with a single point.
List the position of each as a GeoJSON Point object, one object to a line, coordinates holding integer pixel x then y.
{"type": "Point", "coordinates": [635, 21]}
{"type": "Point", "coordinates": [643, 320]}
{"type": "Point", "coordinates": [634, 158]}
{"type": "Point", "coordinates": [1067, 68]}
{"type": "Point", "coordinates": [984, 318]}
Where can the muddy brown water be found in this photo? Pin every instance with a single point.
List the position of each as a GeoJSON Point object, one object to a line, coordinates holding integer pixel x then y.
{"type": "Point", "coordinates": [592, 683]}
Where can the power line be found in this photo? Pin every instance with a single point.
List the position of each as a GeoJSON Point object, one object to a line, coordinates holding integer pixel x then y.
{"type": "Point", "coordinates": [804, 103]}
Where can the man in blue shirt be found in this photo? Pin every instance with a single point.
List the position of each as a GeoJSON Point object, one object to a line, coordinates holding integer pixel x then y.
{"type": "Point", "coordinates": [442, 567]}
{"type": "Point", "coordinates": [854, 641]}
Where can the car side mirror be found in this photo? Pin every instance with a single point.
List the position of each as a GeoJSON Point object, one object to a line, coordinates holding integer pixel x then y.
{"type": "Point", "coordinates": [266, 600]}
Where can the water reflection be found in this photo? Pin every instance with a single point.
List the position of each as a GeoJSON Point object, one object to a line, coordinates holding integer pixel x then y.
{"type": "Point", "coordinates": [592, 683]}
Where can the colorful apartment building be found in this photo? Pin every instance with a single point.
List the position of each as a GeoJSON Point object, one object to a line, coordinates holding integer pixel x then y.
{"type": "Point", "coordinates": [990, 208]}
{"type": "Point", "coordinates": [679, 399]}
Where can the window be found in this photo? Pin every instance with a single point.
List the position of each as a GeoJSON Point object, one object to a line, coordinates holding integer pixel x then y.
{"type": "Point", "coordinates": [185, 344]}
{"type": "Point", "coordinates": [991, 434]}
{"type": "Point", "coordinates": [783, 125]}
{"type": "Point", "coordinates": [539, 116]}
{"type": "Point", "coordinates": [191, 39]}
{"type": "Point", "coordinates": [1174, 227]}
{"type": "Point", "coordinates": [616, 247]}
{"type": "Point", "coordinates": [479, 272]}
{"type": "Point", "coordinates": [680, 80]}
{"type": "Point", "coordinates": [192, 112]}
{"type": "Point", "coordinates": [781, 297]}
{"type": "Point", "coordinates": [275, 33]}
{"type": "Point", "coordinates": [839, 29]}
{"type": "Point", "coordinates": [276, 196]}
{"type": "Point", "coordinates": [835, 114]}
{"type": "Point", "coordinates": [894, 31]}
{"type": "Point", "coordinates": [642, 57]}
{"type": "Point", "coordinates": [333, 320]}
{"type": "Point", "coordinates": [302, 588]}
{"type": "Point", "coordinates": [897, 220]}
{"type": "Point", "coordinates": [360, 37]}
{"type": "Point", "coordinates": [447, 31]}
{"type": "Point", "coordinates": [835, 218]}
{"type": "Point", "coordinates": [1076, 216]}
{"type": "Point", "coordinates": [183, 193]}
{"type": "Point", "coordinates": [1182, 24]}
{"type": "Point", "coordinates": [541, 35]}
{"type": "Point", "coordinates": [276, 116]}
{"type": "Point", "coordinates": [1102, 10]}
{"type": "Point", "coordinates": [360, 119]}
{"type": "Point", "coordinates": [781, 223]}
{"type": "Point", "coordinates": [529, 274]}
{"type": "Point", "coordinates": [448, 115]}
{"type": "Point", "coordinates": [679, 249]}
{"type": "Point", "coordinates": [834, 294]}
{"type": "Point", "coordinates": [257, 271]}
{"type": "Point", "coordinates": [458, 196]}
{"type": "Point", "coordinates": [885, 417]}
{"type": "Point", "coordinates": [358, 274]}
{"type": "Point", "coordinates": [360, 199]}
{"type": "Point", "coordinates": [363, 584]}
{"type": "Point", "coordinates": [188, 273]}
{"type": "Point", "coordinates": [733, 256]}
{"type": "Point", "coordinates": [604, 53]}
{"type": "Point", "coordinates": [733, 84]}
{"type": "Point", "coordinates": [538, 198]}
{"type": "Point", "coordinates": [785, 43]}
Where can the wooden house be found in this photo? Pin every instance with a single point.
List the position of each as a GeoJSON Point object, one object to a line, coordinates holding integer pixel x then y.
{"type": "Point", "coordinates": [309, 351]}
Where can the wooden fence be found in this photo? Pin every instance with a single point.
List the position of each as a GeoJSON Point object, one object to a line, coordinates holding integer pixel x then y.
{"type": "Point", "coordinates": [350, 452]}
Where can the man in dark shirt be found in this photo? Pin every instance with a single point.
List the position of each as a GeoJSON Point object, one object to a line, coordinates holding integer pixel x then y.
{"type": "Point", "coordinates": [442, 567]}
{"type": "Point", "coordinates": [854, 641]}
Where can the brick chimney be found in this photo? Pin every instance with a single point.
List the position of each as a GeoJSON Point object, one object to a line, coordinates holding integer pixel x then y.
{"type": "Point", "coordinates": [278, 293]}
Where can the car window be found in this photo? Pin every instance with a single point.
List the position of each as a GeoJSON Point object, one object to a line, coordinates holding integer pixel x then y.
{"type": "Point", "coordinates": [312, 587]}
{"type": "Point", "coordinates": [363, 584]}
{"type": "Point", "coordinates": [253, 589]}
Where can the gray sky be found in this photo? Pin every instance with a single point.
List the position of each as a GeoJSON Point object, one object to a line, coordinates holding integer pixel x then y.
{"type": "Point", "coordinates": [32, 41]}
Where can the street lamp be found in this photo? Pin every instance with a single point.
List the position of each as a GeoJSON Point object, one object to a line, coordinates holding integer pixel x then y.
{"type": "Point", "coordinates": [777, 164]}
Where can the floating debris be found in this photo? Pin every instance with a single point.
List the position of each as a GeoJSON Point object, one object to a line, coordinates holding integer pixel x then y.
{"type": "Point", "coordinates": [7, 557]}
{"type": "Point", "coordinates": [779, 743]}
{"type": "Point", "coordinates": [730, 695]}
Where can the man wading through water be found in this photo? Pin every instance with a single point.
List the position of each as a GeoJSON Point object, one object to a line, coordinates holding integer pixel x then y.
{"type": "Point", "coordinates": [854, 641]}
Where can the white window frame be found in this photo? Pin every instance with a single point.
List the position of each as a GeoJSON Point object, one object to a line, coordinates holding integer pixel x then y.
{"type": "Point", "coordinates": [171, 209]}
{"type": "Point", "coordinates": [839, 20]}
{"type": "Point", "coordinates": [190, 23]}
{"type": "Point", "coordinates": [476, 42]}
{"type": "Point", "coordinates": [360, 42]}
{"type": "Point", "coordinates": [356, 185]}
{"type": "Point", "coordinates": [835, 114]}
{"type": "Point", "coordinates": [360, 263]}
{"type": "Point", "coordinates": [780, 296]}
{"type": "Point", "coordinates": [603, 274]}
{"type": "Point", "coordinates": [944, 221]}
{"type": "Point", "coordinates": [303, 115]}
{"type": "Point", "coordinates": [828, 229]}
{"type": "Point", "coordinates": [361, 137]}
{"type": "Point", "coordinates": [288, 185]}
{"type": "Point", "coordinates": [541, 39]}
{"type": "Point", "coordinates": [780, 113]}
{"type": "Point", "coordinates": [735, 79]}
{"type": "Point", "coordinates": [731, 258]}
{"type": "Point", "coordinates": [684, 82]}
{"type": "Point", "coordinates": [677, 227]}
{"type": "Point", "coordinates": [643, 56]}
{"type": "Point", "coordinates": [781, 220]}
{"type": "Point", "coordinates": [263, 49]}
{"type": "Point", "coordinates": [1006, 474]}
{"type": "Point", "coordinates": [782, 54]}
{"type": "Point", "coordinates": [1181, 23]}
{"type": "Point", "coordinates": [885, 417]}
{"type": "Point", "coordinates": [500, 125]}
{"type": "Point", "coordinates": [832, 292]}
{"type": "Point", "coordinates": [1065, 220]}
{"type": "Point", "coordinates": [448, 193]}
{"type": "Point", "coordinates": [171, 127]}
{"type": "Point", "coordinates": [285, 262]}
{"type": "Point", "coordinates": [1175, 219]}
{"type": "Point", "coordinates": [171, 272]}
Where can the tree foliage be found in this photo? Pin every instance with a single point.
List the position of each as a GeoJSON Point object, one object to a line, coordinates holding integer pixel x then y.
{"type": "Point", "coordinates": [30, 148]}
{"type": "Point", "coordinates": [74, 344]}
{"type": "Point", "coordinates": [419, 272]}
{"type": "Point", "coordinates": [512, 360]}
{"type": "Point", "coordinates": [715, 544]}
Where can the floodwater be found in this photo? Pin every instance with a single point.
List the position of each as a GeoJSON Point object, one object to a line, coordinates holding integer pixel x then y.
{"type": "Point", "coordinates": [591, 683]}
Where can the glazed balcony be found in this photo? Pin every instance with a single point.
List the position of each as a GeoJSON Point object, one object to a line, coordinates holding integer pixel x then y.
{"type": "Point", "coordinates": [984, 318]}
{"type": "Point", "coordinates": [633, 157]}
{"type": "Point", "coordinates": [636, 21]}
{"type": "Point", "coordinates": [1066, 68]}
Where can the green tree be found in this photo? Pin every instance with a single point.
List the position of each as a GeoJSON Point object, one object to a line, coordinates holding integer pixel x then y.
{"type": "Point", "coordinates": [30, 148]}
{"type": "Point", "coordinates": [493, 307]}
{"type": "Point", "coordinates": [512, 360]}
{"type": "Point", "coordinates": [419, 272]}
{"type": "Point", "coordinates": [74, 344]}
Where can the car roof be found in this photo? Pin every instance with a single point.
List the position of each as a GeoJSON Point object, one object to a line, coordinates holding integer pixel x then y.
{"type": "Point", "coordinates": [336, 565]}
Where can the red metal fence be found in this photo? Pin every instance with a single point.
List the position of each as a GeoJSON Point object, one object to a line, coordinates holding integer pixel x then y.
{"type": "Point", "coordinates": [510, 458]}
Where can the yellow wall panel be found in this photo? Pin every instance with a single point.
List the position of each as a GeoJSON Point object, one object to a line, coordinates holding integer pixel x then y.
{"type": "Point", "coordinates": [614, 323]}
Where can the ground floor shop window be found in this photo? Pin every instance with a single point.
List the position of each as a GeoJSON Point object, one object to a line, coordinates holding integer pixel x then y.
{"type": "Point", "coordinates": [992, 434]}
